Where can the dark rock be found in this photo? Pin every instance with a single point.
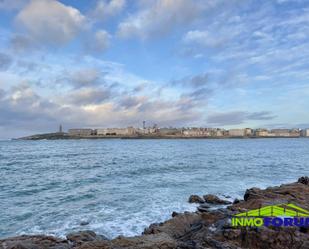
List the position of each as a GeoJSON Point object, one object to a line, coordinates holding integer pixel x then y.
{"type": "Point", "coordinates": [196, 199]}
{"type": "Point", "coordinates": [304, 180]}
{"type": "Point", "coordinates": [201, 209]}
{"type": "Point", "coordinates": [83, 236]}
{"type": "Point", "coordinates": [204, 205]}
{"type": "Point", "coordinates": [252, 192]}
{"type": "Point", "coordinates": [34, 242]}
{"type": "Point", "coordinates": [213, 199]}
{"type": "Point", "coordinates": [84, 223]}
{"type": "Point", "coordinates": [236, 201]}
{"type": "Point", "coordinates": [174, 214]}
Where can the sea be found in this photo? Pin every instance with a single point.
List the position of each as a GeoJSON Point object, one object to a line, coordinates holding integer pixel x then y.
{"type": "Point", "coordinates": [121, 186]}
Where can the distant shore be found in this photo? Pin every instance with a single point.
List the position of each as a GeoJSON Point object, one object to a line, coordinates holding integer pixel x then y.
{"type": "Point", "coordinates": [66, 136]}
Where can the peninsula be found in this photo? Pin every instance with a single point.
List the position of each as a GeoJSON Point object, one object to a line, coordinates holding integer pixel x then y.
{"type": "Point", "coordinates": [155, 132]}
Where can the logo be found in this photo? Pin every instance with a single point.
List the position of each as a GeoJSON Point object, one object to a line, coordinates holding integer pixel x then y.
{"type": "Point", "coordinates": [284, 215]}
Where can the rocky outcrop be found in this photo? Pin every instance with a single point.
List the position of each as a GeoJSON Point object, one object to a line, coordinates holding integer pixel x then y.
{"type": "Point", "coordinates": [213, 199]}
{"type": "Point", "coordinates": [207, 228]}
{"type": "Point", "coordinates": [304, 180]}
{"type": "Point", "coordinates": [195, 199]}
{"type": "Point", "coordinates": [78, 238]}
{"type": "Point", "coordinates": [34, 242]}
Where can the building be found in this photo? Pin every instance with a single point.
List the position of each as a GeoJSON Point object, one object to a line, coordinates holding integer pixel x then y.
{"type": "Point", "coordinates": [147, 130]}
{"type": "Point", "coordinates": [237, 132]}
{"type": "Point", "coordinates": [115, 131]}
{"type": "Point", "coordinates": [248, 132]}
{"type": "Point", "coordinates": [261, 133]}
{"type": "Point", "coordinates": [219, 133]}
{"type": "Point", "coordinates": [295, 132]}
{"type": "Point", "coordinates": [196, 132]}
{"type": "Point", "coordinates": [280, 133]}
{"type": "Point", "coordinates": [169, 131]}
{"type": "Point", "coordinates": [305, 132]}
{"type": "Point", "coordinates": [81, 132]}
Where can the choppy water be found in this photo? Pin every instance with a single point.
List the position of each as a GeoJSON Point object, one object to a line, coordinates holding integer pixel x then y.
{"type": "Point", "coordinates": [121, 186]}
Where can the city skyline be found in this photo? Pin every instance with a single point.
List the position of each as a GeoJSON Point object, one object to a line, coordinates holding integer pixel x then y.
{"type": "Point", "coordinates": [115, 63]}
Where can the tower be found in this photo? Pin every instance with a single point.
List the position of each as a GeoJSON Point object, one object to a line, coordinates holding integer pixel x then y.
{"type": "Point", "coordinates": [60, 128]}
{"type": "Point", "coordinates": [144, 125]}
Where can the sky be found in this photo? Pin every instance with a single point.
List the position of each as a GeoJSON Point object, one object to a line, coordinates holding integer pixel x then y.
{"type": "Point", "coordinates": [178, 63]}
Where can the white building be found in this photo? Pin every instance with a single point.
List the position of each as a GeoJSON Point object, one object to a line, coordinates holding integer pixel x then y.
{"type": "Point", "coordinates": [261, 133]}
{"type": "Point", "coordinates": [237, 132]}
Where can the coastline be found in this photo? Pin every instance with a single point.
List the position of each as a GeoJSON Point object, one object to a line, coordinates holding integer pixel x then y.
{"type": "Point", "coordinates": [208, 227]}
{"type": "Point", "coordinates": [65, 136]}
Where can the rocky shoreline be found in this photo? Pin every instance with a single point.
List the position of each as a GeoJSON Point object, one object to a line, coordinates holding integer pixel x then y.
{"type": "Point", "coordinates": [205, 228]}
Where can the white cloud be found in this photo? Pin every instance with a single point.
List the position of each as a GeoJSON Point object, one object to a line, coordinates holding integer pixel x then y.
{"type": "Point", "coordinates": [106, 9]}
{"type": "Point", "coordinates": [101, 40]}
{"type": "Point", "coordinates": [51, 21]}
{"type": "Point", "coordinates": [160, 17]}
{"type": "Point", "coordinates": [203, 38]}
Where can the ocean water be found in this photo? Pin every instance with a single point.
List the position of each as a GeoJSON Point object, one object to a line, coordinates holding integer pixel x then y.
{"type": "Point", "coordinates": [120, 187]}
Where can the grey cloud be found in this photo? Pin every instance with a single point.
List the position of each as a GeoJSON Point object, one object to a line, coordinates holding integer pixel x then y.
{"type": "Point", "coordinates": [22, 43]}
{"type": "Point", "coordinates": [194, 81]}
{"type": "Point", "coordinates": [200, 94]}
{"type": "Point", "coordinates": [197, 88]}
{"type": "Point", "coordinates": [238, 117]}
{"type": "Point", "coordinates": [264, 115]}
{"type": "Point", "coordinates": [86, 96]}
{"type": "Point", "coordinates": [12, 4]}
{"type": "Point", "coordinates": [139, 88]}
{"type": "Point", "coordinates": [100, 42]}
{"type": "Point", "coordinates": [26, 66]}
{"type": "Point", "coordinates": [231, 118]}
{"type": "Point", "coordinates": [85, 77]}
{"type": "Point", "coordinates": [2, 93]}
{"type": "Point", "coordinates": [22, 108]}
{"type": "Point", "coordinates": [5, 61]}
{"type": "Point", "coordinates": [130, 101]}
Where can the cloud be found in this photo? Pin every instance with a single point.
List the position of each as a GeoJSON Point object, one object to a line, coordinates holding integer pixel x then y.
{"type": "Point", "coordinates": [204, 38]}
{"type": "Point", "coordinates": [200, 94]}
{"type": "Point", "coordinates": [22, 43]}
{"type": "Point", "coordinates": [85, 77]}
{"type": "Point", "coordinates": [25, 111]}
{"type": "Point", "coordinates": [264, 115]}
{"type": "Point", "coordinates": [101, 41]}
{"type": "Point", "coordinates": [160, 17]}
{"type": "Point", "coordinates": [131, 101]}
{"type": "Point", "coordinates": [12, 4]}
{"type": "Point", "coordinates": [88, 96]}
{"type": "Point", "coordinates": [22, 105]}
{"type": "Point", "coordinates": [105, 9]}
{"type": "Point", "coordinates": [2, 93]}
{"type": "Point", "coordinates": [237, 117]}
{"type": "Point", "coordinates": [195, 81]}
{"type": "Point", "coordinates": [5, 61]}
{"type": "Point", "coordinates": [50, 21]}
